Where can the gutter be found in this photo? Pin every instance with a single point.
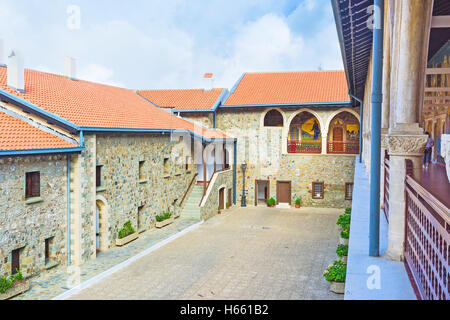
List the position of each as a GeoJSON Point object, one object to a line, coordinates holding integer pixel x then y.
{"type": "Point", "coordinates": [40, 151]}
{"type": "Point", "coordinates": [361, 116]}
{"type": "Point", "coordinates": [68, 210]}
{"type": "Point", "coordinates": [287, 105]}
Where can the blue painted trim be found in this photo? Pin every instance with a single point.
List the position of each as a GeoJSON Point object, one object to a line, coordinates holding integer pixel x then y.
{"type": "Point", "coordinates": [220, 100]}
{"type": "Point", "coordinates": [40, 151]}
{"type": "Point", "coordinates": [235, 173]}
{"type": "Point", "coordinates": [81, 138]}
{"type": "Point", "coordinates": [282, 105]}
{"type": "Point", "coordinates": [140, 95]}
{"type": "Point", "coordinates": [68, 210]}
{"type": "Point", "coordinates": [375, 149]}
{"type": "Point", "coordinates": [31, 108]}
{"type": "Point", "coordinates": [234, 88]}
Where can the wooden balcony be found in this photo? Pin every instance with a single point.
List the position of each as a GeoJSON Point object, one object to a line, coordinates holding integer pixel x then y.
{"type": "Point", "coordinates": [298, 146]}
{"type": "Point", "coordinates": [427, 237]}
{"type": "Point", "coordinates": [338, 147]}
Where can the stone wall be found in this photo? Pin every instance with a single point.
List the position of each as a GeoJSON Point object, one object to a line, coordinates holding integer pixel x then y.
{"type": "Point", "coordinates": [26, 225]}
{"type": "Point", "coordinates": [203, 119]}
{"type": "Point", "coordinates": [265, 152]}
{"type": "Point", "coordinates": [223, 179]}
{"type": "Point", "coordinates": [125, 191]}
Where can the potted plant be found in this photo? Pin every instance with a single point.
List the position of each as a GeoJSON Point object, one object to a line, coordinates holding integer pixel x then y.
{"type": "Point", "coordinates": [345, 235]}
{"type": "Point", "coordinates": [348, 210]}
{"type": "Point", "coordinates": [228, 206]}
{"type": "Point", "coordinates": [342, 252]}
{"type": "Point", "coordinates": [218, 209]}
{"type": "Point", "coordinates": [297, 203]}
{"type": "Point", "coordinates": [271, 202]}
{"type": "Point", "coordinates": [344, 221]}
{"type": "Point", "coordinates": [164, 219]}
{"type": "Point", "coordinates": [335, 274]}
{"type": "Point", "coordinates": [13, 285]}
{"type": "Point", "coordinates": [126, 234]}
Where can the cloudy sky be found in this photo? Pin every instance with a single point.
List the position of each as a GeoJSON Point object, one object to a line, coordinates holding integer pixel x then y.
{"type": "Point", "coordinates": [144, 44]}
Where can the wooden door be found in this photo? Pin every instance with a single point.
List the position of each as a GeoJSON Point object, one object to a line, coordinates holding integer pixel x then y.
{"type": "Point", "coordinates": [284, 192]}
{"type": "Point", "coordinates": [230, 199]}
{"type": "Point", "coordinates": [338, 139]}
{"type": "Point", "coordinates": [221, 198]}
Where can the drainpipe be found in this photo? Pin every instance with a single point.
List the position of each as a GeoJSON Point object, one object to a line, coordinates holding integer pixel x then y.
{"type": "Point", "coordinates": [377, 99]}
{"type": "Point", "coordinates": [68, 210]}
{"type": "Point", "coordinates": [235, 172]}
{"type": "Point", "coordinates": [170, 143]}
{"type": "Point", "coordinates": [361, 116]}
{"type": "Point", "coordinates": [214, 119]}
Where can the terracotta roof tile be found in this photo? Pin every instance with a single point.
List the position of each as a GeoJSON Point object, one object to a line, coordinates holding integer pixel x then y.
{"type": "Point", "coordinates": [290, 88]}
{"type": "Point", "coordinates": [187, 99]}
{"type": "Point", "coordinates": [18, 135]}
{"type": "Point", "coordinates": [89, 104]}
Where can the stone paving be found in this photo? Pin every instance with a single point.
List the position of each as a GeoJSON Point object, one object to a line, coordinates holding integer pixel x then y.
{"type": "Point", "coordinates": [55, 281]}
{"type": "Point", "coordinates": [246, 253]}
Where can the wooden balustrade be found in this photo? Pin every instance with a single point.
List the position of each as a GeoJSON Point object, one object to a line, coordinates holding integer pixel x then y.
{"type": "Point", "coordinates": [427, 241]}
{"type": "Point", "coordinates": [339, 147]}
{"type": "Point", "coordinates": [298, 146]}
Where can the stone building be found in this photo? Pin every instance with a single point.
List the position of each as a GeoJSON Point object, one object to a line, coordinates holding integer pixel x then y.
{"type": "Point", "coordinates": [79, 159]}
{"type": "Point", "coordinates": [297, 132]}
{"type": "Point", "coordinates": [396, 54]}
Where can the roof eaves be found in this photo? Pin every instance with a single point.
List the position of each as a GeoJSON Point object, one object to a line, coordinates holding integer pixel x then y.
{"type": "Point", "coordinates": [40, 151]}
{"type": "Point", "coordinates": [28, 107]}
{"type": "Point", "coordinates": [310, 104]}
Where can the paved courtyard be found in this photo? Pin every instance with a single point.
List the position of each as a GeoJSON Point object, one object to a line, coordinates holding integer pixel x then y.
{"type": "Point", "coordinates": [246, 253]}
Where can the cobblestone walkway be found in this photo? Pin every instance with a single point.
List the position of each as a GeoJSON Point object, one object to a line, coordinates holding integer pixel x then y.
{"type": "Point", "coordinates": [55, 282]}
{"type": "Point", "coordinates": [251, 253]}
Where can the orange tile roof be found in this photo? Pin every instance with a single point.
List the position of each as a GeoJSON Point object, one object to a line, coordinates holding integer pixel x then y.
{"type": "Point", "coordinates": [290, 88]}
{"type": "Point", "coordinates": [88, 104]}
{"type": "Point", "coordinates": [183, 99]}
{"type": "Point", "coordinates": [16, 134]}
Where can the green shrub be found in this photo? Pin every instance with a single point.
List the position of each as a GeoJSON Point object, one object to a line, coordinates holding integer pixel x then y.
{"type": "Point", "coordinates": [227, 205]}
{"type": "Point", "coordinates": [18, 276]}
{"type": "Point", "coordinates": [5, 284]}
{"type": "Point", "coordinates": [218, 208]}
{"type": "Point", "coordinates": [345, 233]}
{"type": "Point", "coordinates": [342, 250]}
{"type": "Point", "coordinates": [336, 272]}
{"type": "Point", "coordinates": [298, 201]}
{"type": "Point", "coordinates": [348, 210]}
{"type": "Point", "coordinates": [126, 230]}
{"type": "Point", "coordinates": [344, 221]}
{"type": "Point", "coordinates": [271, 202]}
{"type": "Point", "coordinates": [163, 216]}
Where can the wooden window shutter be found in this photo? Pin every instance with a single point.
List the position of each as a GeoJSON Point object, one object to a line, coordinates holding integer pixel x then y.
{"type": "Point", "coordinates": [36, 184]}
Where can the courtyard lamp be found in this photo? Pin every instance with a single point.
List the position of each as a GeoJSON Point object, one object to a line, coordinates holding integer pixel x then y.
{"type": "Point", "coordinates": [243, 201]}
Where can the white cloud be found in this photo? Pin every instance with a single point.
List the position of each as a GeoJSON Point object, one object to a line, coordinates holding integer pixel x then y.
{"type": "Point", "coordinates": [98, 73]}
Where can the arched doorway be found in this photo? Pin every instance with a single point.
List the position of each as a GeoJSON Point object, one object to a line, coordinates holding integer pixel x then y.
{"type": "Point", "coordinates": [101, 224]}
{"type": "Point", "coordinates": [305, 135]}
{"type": "Point", "coordinates": [343, 134]}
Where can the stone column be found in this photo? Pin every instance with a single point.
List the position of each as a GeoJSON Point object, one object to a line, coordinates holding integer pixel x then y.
{"type": "Point", "coordinates": [405, 138]}
{"type": "Point", "coordinates": [401, 147]}
{"type": "Point", "coordinates": [324, 140]}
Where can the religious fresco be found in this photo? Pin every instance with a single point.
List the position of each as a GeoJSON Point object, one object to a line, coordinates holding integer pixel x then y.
{"type": "Point", "coordinates": [348, 122]}
{"type": "Point", "coordinates": [305, 127]}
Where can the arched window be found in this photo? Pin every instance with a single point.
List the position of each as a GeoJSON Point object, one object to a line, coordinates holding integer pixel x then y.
{"type": "Point", "coordinates": [343, 134]}
{"type": "Point", "coordinates": [305, 134]}
{"type": "Point", "coordinates": [273, 118]}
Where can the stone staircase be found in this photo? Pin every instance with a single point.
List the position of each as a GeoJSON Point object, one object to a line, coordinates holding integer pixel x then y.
{"type": "Point", "coordinates": [191, 209]}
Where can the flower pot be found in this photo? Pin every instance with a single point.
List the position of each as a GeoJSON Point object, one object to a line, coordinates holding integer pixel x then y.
{"type": "Point", "coordinates": [16, 289]}
{"type": "Point", "coordinates": [343, 241]}
{"type": "Point", "coordinates": [228, 208]}
{"type": "Point", "coordinates": [161, 224]}
{"type": "Point", "coordinates": [337, 287]}
{"type": "Point", "coordinates": [343, 259]}
{"type": "Point", "coordinates": [297, 206]}
{"type": "Point", "coordinates": [127, 239]}
{"type": "Point", "coordinates": [272, 206]}
{"type": "Point", "coordinates": [218, 212]}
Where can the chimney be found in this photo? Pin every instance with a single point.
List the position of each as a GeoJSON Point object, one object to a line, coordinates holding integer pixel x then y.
{"type": "Point", "coordinates": [15, 73]}
{"type": "Point", "coordinates": [70, 68]}
{"type": "Point", "coordinates": [2, 53]}
{"type": "Point", "coordinates": [208, 81]}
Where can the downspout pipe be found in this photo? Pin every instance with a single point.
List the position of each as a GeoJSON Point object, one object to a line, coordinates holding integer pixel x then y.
{"type": "Point", "coordinates": [68, 209]}
{"type": "Point", "coordinates": [361, 116]}
{"type": "Point", "coordinates": [235, 172]}
{"type": "Point", "coordinates": [377, 99]}
{"type": "Point", "coordinates": [171, 133]}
